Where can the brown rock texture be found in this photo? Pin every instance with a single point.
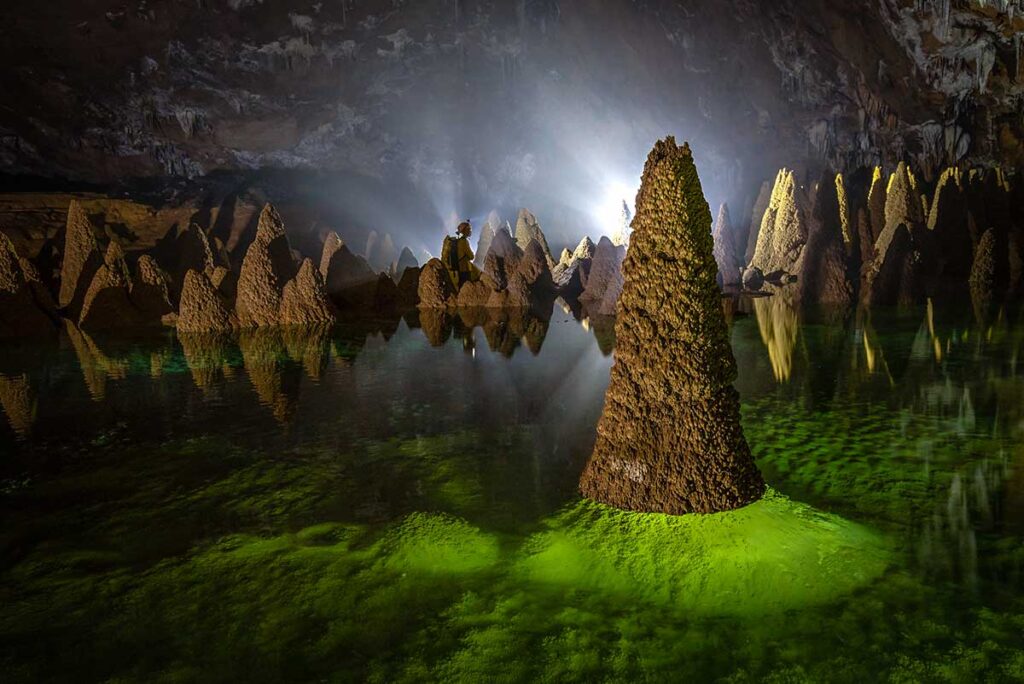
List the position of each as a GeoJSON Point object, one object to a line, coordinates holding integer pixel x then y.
{"type": "Point", "coordinates": [19, 403]}
{"type": "Point", "coordinates": [725, 248]}
{"type": "Point", "coordinates": [192, 253]}
{"type": "Point", "coordinates": [516, 295]}
{"type": "Point", "coordinates": [784, 229]}
{"type": "Point", "coordinates": [535, 269]}
{"type": "Point", "coordinates": [202, 308]}
{"type": "Point", "coordinates": [107, 303]}
{"type": "Point", "coordinates": [208, 356]}
{"type": "Point", "coordinates": [408, 288]}
{"type": "Point", "coordinates": [332, 243]}
{"type": "Point", "coordinates": [753, 279]}
{"type": "Point", "coordinates": [527, 229]}
{"type": "Point", "coordinates": [756, 216]}
{"type": "Point", "coordinates": [81, 260]}
{"type": "Point", "coordinates": [22, 312]}
{"type": "Point", "coordinates": [435, 287]}
{"type": "Point", "coordinates": [149, 292]}
{"type": "Point", "coordinates": [304, 300]}
{"type": "Point", "coordinates": [267, 266]}
{"type": "Point", "coordinates": [896, 274]}
{"type": "Point", "coordinates": [669, 439]}
{"type": "Point", "coordinates": [823, 274]}
{"type": "Point", "coordinates": [484, 244]}
{"type": "Point", "coordinates": [502, 259]}
{"type": "Point", "coordinates": [876, 204]}
{"type": "Point", "coordinates": [606, 263]}
{"type": "Point", "coordinates": [865, 238]}
{"type": "Point", "coordinates": [348, 279]}
{"type": "Point", "coordinates": [474, 294]}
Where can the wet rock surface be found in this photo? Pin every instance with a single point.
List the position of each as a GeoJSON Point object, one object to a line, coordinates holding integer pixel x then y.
{"type": "Point", "coordinates": [267, 266]}
{"type": "Point", "coordinates": [669, 439]}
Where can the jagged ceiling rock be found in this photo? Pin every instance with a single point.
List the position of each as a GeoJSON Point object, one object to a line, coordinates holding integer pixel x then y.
{"type": "Point", "coordinates": [481, 99]}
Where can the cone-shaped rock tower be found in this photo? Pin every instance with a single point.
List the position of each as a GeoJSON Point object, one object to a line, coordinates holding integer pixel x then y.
{"type": "Point", "coordinates": [669, 439]}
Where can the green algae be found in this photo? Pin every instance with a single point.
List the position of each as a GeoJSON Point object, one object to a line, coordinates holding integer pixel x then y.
{"type": "Point", "coordinates": [770, 556]}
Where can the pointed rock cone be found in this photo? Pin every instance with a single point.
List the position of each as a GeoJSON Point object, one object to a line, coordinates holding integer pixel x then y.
{"type": "Point", "coordinates": [305, 301]}
{"type": "Point", "coordinates": [605, 264]}
{"type": "Point", "coordinates": [527, 228]}
{"type": "Point", "coordinates": [756, 216]}
{"type": "Point", "coordinates": [876, 204]}
{"type": "Point", "coordinates": [486, 236]}
{"type": "Point", "coordinates": [267, 266]}
{"type": "Point", "coordinates": [149, 291]}
{"type": "Point", "coordinates": [983, 270]}
{"type": "Point", "coordinates": [669, 439]}
{"type": "Point", "coordinates": [23, 311]}
{"type": "Point", "coordinates": [203, 309]}
{"type": "Point", "coordinates": [502, 260]}
{"type": "Point", "coordinates": [725, 248]}
{"type": "Point", "coordinates": [82, 258]}
{"type": "Point", "coordinates": [107, 303]}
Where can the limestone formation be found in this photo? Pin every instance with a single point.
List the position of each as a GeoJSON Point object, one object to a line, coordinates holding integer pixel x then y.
{"type": "Point", "coordinates": [983, 271]}
{"type": "Point", "coordinates": [474, 294]}
{"type": "Point", "coordinates": [843, 207]}
{"type": "Point", "coordinates": [823, 275]}
{"type": "Point", "coordinates": [372, 241]}
{"type": "Point", "coordinates": [948, 222]}
{"type": "Point", "coordinates": [725, 248]}
{"type": "Point", "coordinates": [753, 279]}
{"type": "Point", "coordinates": [609, 302]}
{"type": "Point", "coordinates": [202, 308]}
{"type": "Point", "coordinates": [669, 438]}
{"type": "Point", "coordinates": [332, 243]}
{"type": "Point", "coordinates": [902, 202]}
{"type": "Point", "coordinates": [527, 229]}
{"type": "Point", "coordinates": [535, 269]}
{"type": "Point", "coordinates": [405, 260]}
{"type": "Point", "coordinates": [385, 255]}
{"type": "Point", "coordinates": [192, 253]}
{"type": "Point", "coordinates": [516, 295]}
{"type": "Point", "coordinates": [876, 204]}
{"type": "Point", "coordinates": [484, 244]}
{"type": "Point", "coordinates": [107, 303]}
{"type": "Point", "coordinates": [756, 216]}
{"type": "Point", "coordinates": [149, 291]}
{"type": "Point", "coordinates": [435, 287]}
{"type": "Point", "coordinates": [865, 238]}
{"type": "Point", "coordinates": [348, 279]}
{"type": "Point", "coordinates": [621, 236]}
{"type": "Point", "coordinates": [81, 259]}
{"type": "Point", "coordinates": [25, 306]}
{"type": "Point", "coordinates": [226, 283]}
{"type": "Point", "coordinates": [896, 276]}
{"type": "Point", "coordinates": [304, 301]}
{"type": "Point", "coordinates": [267, 266]}
{"type": "Point", "coordinates": [502, 259]}
{"type": "Point", "coordinates": [784, 229]}
{"type": "Point", "coordinates": [606, 263]}
{"type": "Point", "coordinates": [408, 289]}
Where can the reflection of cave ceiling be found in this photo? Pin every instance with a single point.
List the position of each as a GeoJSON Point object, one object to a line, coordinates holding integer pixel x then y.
{"type": "Point", "coordinates": [496, 98]}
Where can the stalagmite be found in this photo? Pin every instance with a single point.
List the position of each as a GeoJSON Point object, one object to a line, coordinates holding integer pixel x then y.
{"type": "Point", "coordinates": [983, 270]}
{"type": "Point", "coordinates": [527, 229]}
{"type": "Point", "coordinates": [267, 266]}
{"type": "Point", "coordinates": [756, 216]}
{"type": "Point", "coordinates": [823, 274]}
{"type": "Point", "coordinates": [202, 308]}
{"type": "Point", "coordinates": [484, 244]}
{"type": "Point", "coordinates": [304, 301]}
{"type": "Point", "coordinates": [876, 204]}
{"type": "Point", "coordinates": [405, 260]}
{"type": "Point", "coordinates": [783, 234]}
{"type": "Point", "coordinates": [948, 222]}
{"type": "Point", "coordinates": [534, 267]}
{"type": "Point", "coordinates": [621, 236]}
{"type": "Point", "coordinates": [81, 260]}
{"type": "Point", "coordinates": [669, 439]}
{"type": "Point", "coordinates": [725, 248]}
{"type": "Point", "coordinates": [435, 287]}
{"type": "Point", "coordinates": [193, 253]}
{"type": "Point", "coordinates": [21, 313]}
{"type": "Point", "coordinates": [149, 291]}
{"type": "Point", "coordinates": [107, 303]}
{"type": "Point", "coordinates": [605, 264]}
{"type": "Point", "coordinates": [502, 259]}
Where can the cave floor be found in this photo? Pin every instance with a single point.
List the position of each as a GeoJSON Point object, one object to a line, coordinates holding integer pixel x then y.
{"type": "Point", "coordinates": [394, 500]}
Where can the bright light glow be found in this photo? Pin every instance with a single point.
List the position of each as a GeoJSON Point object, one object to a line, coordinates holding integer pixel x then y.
{"type": "Point", "coordinates": [608, 212]}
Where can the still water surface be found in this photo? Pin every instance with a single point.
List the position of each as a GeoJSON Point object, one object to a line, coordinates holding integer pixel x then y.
{"type": "Point", "coordinates": [392, 503]}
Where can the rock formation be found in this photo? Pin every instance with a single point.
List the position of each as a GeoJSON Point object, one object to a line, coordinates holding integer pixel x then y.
{"type": "Point", "coordinates": [435, 287]}
{"type": "Point", "coordinates": [202, 308]}
{"type": "Point", "coordinates": [483, 245]}
{"type": "Point", "coordinates": [208, 355]}
{"type": "Point", "coordinates": [535, 269]}
{"type": "Point", "coordinates": [607, 261]}
{"type": "Point", "coordinates": [784, 228]}
{"type": "Point", "coordinates": [304, 300]}
{"type": "Point", "coordinates": [725, 248]}
{"type": "Point", "coordinates": [25, 305]}
{"type": "Point", "coordinates": [267, 266]}
{"type": "Point", "coordinates": [948, 222]}
{"type": "Point", "coordinates": [149, 290]}
{"type": "Point", "coordinates": [983, 271]}
{"type": "Point", "coordinates": [81, 260]}
{"type": "Point", "coordinates": [502, 259]}
{"type": "Point", "coordinates": [107, 303]}
{"type": "Point", "coordinates": [528, 229]}
{"type": "Point", "coordinates": [876, 204]}
{"type": "Point", "coordinates": [408, 289]}
{"type": "Point", "coordinates": [823, 276]}
{"type": "Point", "coordinates": [348, 279]}
{"type": "Point", "coordinates": [405, 260]}
{"type": "Point", "coordinates": [620, 237]}
{"type": "Point", "coordinates": [896, 275]}
{"type": "Point", "coordinates": [192, 252]}
{"type": "Point", "coordinates": [669, 438]}
{"type": "Point", "coordinates": [753, 279]}
{"type": "Point", "coordinates": [756, 216]}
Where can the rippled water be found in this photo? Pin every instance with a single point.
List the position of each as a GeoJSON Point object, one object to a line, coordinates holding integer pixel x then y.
{"type": "Point", "coordinates": [392, 503]}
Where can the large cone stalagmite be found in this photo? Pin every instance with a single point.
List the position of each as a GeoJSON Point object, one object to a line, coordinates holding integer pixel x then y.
{"type": "Point", "coordinates": [669, 439]}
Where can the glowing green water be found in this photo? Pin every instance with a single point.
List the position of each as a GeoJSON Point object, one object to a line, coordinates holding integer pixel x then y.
{"type": "Point", "coordinates": [343, 508]}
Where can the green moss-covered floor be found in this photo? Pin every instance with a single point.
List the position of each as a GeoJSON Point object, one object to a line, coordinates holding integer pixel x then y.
{"type": "Point", "coordinates": [334, 507]}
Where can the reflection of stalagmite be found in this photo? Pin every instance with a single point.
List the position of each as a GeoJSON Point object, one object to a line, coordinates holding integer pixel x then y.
{"type": "Point", "coordinates": [96, 366]}
{"type": "Point", "coordinates": [263, 353]}
{"type": "Point", "coordinates": [779, 325]}
{"type": "Point", "coordinates": [19, 403]}
{"type": "Point", "coordinates": [436, 325]}
{"type": "Point", "coordinates": [207, 355]}
{"type": "Point", "coordinates": [669, 438]}
{"type": "Point", "coordinates": [309, 345]}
